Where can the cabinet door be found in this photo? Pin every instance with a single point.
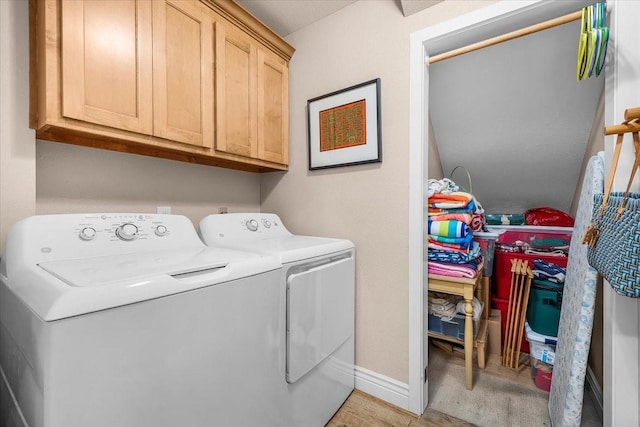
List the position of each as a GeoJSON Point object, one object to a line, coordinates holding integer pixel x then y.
{"type": "Point", "coordinates": [273, 108]}
{"type": "Point", "coordinates": [236, 91]}
{"type": "Point", "coordinates": [183, 72]}
{"type": "Point", "coordinates": [106, 63]}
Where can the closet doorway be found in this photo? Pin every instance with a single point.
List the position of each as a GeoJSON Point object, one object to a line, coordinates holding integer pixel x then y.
{"type": "Point", "coordinates": [477, 120]}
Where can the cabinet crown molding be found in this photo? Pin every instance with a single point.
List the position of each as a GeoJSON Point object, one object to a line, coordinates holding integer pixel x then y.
{"type": "Point", "coordinates": [242, 18]}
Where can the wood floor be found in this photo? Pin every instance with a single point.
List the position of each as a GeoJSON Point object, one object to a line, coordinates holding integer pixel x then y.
{"type": "Point", "coordinates": [362, 410]}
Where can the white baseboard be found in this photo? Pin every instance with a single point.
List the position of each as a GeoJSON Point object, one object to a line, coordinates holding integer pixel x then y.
{"type": "Point", "coordinates": [595, 390]}
{"type": "Point", "coordinates": [382, 387]}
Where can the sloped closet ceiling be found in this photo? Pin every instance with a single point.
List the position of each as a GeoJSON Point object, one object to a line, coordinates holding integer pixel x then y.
{"type": "Point", "coordinates": [515, 117]}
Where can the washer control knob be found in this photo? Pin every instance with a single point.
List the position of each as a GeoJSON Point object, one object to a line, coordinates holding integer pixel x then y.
{"type": "Point", "coordinates": [88, 233]}
{"type": "Point", "coordinates": [161, 230]}
{"type": "Point", "coordinates": [252, 225]}
{"type": "Point", "coordinates": [127, 232]}
{"type": "Point", "coordinates": [266, 223]}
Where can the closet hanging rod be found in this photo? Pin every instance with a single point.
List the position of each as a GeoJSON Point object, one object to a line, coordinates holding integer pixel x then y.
{"type": "Point", "coordinates": [508, 36]}
{"type": "Point", "coordinates": [628, 125]}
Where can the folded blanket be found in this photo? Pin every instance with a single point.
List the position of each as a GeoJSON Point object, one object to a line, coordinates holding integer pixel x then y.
{"type": "Point", "coordinates": [447, 305]}
{"type": "Point", "coordinates": [469, 208]}
{"type": "Point", "coordinates": [464, 217]}
{"type": "Point", "coordinates": [451, 270]}
{"type": "Point", "coordinates": [455, 200]}
{"type": "Point", "coordinates": [446, 247]}
{"type": "Point", "coordinates": [450, 228]}
{"type": "Point", "coordinates": [548, 271]}
{"type": "Point", "coordinates": [463, 242]}
{"type": "Point", "coordinates": [444, 255]}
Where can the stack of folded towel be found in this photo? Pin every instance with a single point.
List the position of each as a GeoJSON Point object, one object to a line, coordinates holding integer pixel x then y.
{"type": "Point", "coordinates": [451, 249]}
{"type": "Point", "coordinates": [447, 306]}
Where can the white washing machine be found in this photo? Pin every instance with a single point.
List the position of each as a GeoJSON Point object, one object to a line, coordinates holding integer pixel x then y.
{"type": "Point", "coordinates": [130, 320]}
{"type": "Point", "coordinates": [319, 278]}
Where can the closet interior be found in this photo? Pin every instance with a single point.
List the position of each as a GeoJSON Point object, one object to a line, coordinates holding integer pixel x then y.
{"type": "Point", "coordinates": [510, 124]}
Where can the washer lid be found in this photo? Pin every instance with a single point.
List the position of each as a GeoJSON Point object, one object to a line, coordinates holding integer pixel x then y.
{"type": "Point", "coordinates": [65, 288]}
{"type": "Point", "coordinates": [293, 248]}
{"type": "Point", "coordinates": [100, 271]}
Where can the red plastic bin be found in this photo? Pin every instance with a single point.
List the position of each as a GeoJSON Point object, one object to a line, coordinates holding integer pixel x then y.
{"type": "Point", "coordinates": [503, 306]}
{"type": "Point", "coordinates": [502, 269]}
{"type": "Point", "coordinates": [536, 238]}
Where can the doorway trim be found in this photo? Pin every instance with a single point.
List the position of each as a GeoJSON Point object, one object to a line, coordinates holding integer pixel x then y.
{"type": "Point", "coordinates": [475, 26]}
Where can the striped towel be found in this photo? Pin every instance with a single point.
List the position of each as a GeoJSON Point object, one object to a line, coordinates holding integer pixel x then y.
{"type": "Point", "coordinates": [448, 228]}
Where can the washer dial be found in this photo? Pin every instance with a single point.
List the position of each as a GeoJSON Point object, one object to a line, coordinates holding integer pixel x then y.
{"type": "Point", "coordinates": [252, 225]}
{"type": "Point", "coordinates": [161, 230]}
{"type": "Point", "coordinates": [87, 233]}
{"type": "Point", "coordinates": [127, 232]}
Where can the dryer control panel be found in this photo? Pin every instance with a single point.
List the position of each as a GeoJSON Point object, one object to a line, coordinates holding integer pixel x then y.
{"type": "Point", "coordinates": [243, 226]}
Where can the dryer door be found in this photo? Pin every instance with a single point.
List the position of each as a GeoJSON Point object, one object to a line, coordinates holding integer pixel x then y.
{"type": "Point", "coordinates": [320, 307]}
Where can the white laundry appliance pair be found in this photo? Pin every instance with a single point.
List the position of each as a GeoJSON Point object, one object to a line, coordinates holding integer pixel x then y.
{"type": "Point", "coordinates": [130, 320]}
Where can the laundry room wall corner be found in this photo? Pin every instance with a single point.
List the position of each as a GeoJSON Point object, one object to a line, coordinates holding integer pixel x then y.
{"type": "Point", "coordinates": [17, 141]}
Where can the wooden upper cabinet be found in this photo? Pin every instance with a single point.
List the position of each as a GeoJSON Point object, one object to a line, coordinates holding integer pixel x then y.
{"type": "Point", "coordinates": [199, 81]}
{"type": "Point", "coordinates": [182, 70]}
{"type": "Point", "coordinates": [252, 84]}
{"type": "Point", "coordinates": [106, 63]}
{"type": "Point", "coordinates": [273, 108]}
{"type": "Point", "coordinates": [236, 90]}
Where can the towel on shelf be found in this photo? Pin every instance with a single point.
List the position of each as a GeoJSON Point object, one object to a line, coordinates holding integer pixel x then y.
{"type": "Point", "coordinates": [452, 270]}
{"type": "Point", "coordinates": [449, 228]}
{"type": "Point", "coordinates": [442, 305]}
{"type": "Point", "coordinates": [444, 185]}
{"type": "Point", "coordinates": [431, 245]}
{"type": "Point", "coordinates": [447, 305]}
{"type": "Point", "coordinates": [455, 200]}
{"type": "Point", "coordinates": [437, 216]}
{"type": "Point", "coordinates": [462, 242]}
{"type": "Point", "coordinates": [455, 257]}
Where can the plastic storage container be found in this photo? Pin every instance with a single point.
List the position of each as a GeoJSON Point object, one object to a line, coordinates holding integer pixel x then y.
{"type": "Point", "coordinates": [543, 311]}
{"type": "Point", "coordinates": [454, 326]}
{"type": "Point", "coordinates": [542, 353]}
{"type": "Point", "coordinates": [487, 242]}
{"type": "Point", "coordinates": [542, 374]}
{"type": "Point", "coordinates": [511, 243]}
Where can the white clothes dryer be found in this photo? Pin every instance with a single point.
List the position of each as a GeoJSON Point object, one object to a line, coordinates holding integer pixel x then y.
{"type": "Point", "coordinates": [130, 320]}
{"type": "Point", "coordinates": [318, 277]}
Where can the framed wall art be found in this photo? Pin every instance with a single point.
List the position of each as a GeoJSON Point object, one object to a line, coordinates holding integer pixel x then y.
{"type": "Point", "coordinates": [344, 127]}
